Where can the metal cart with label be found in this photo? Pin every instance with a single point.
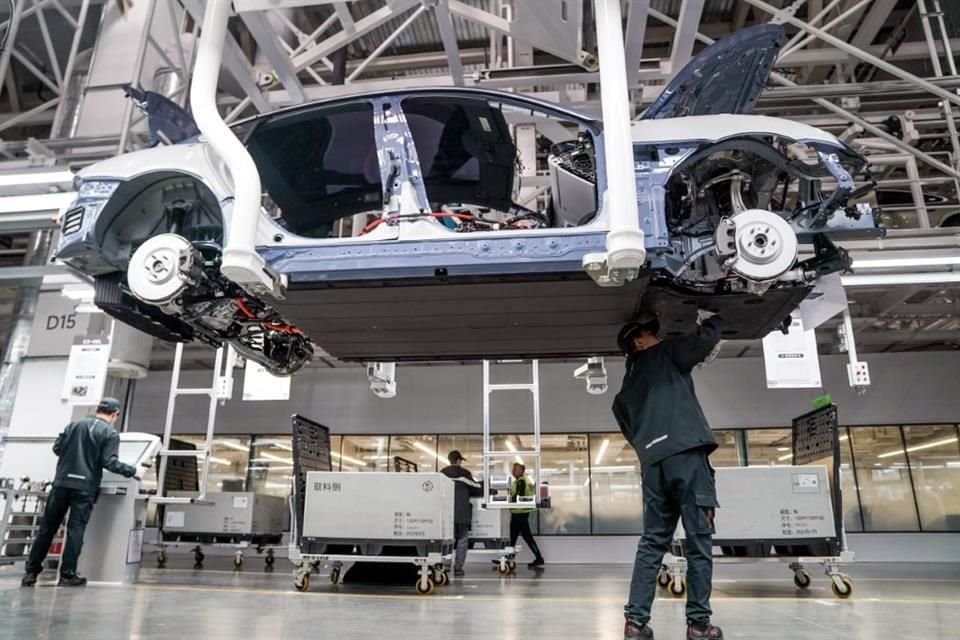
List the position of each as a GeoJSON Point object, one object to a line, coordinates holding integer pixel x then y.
{"type": "Point", "coordinates": [787, 514]}
{"type": "Point", "coordinates": [234, 520]}
{"type": "Point", "coordinates": [379, 517]}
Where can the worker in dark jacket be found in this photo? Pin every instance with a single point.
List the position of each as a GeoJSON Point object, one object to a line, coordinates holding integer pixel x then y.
{"type": "Point", "coordinates": [466, 488]}
{"type": "Point", "coordinates": [658, 413]}
{"type": "Point", "coordinates": [85, 449]}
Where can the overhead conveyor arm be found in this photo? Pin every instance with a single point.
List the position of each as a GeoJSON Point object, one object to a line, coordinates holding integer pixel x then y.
{"type": "Point", "coordinates": [626, 252]}
{"type": "Point", "coordinates": [241, 262]}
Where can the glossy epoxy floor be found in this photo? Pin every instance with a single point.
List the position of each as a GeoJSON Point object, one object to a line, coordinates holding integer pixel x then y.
{"type": "Point", "coordinates": [902, 601]}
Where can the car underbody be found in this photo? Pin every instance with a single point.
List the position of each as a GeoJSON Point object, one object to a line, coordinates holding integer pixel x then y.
{"type": "Point", "coordinates": [457, 224]}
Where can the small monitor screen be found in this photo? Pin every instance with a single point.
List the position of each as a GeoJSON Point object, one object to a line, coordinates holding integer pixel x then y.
{"type": "Point", "coordinates": [132, 450]}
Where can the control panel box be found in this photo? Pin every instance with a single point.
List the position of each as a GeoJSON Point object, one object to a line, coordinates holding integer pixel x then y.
{"type": "Point", "coordinates": [381, 507]}
{"type": "Point", "coordinates": [228, 514]}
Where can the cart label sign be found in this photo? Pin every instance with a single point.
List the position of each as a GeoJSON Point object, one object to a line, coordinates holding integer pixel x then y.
{"type": "Point", "coordinates": [329, 487]}
{"type": "Point", "coordinates": [806, 483]}
{"type": "Point", "coordinates": [410, 525]}
{"type": "Point", "coordinates": [174, 520]}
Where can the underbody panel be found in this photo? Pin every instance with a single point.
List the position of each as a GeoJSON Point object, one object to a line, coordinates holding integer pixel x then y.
{"type": "Point", "coordinates": [555, 315]}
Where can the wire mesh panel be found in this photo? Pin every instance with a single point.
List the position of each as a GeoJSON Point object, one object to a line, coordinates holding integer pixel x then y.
{"type": "Point", "coordinates": [182, 471]}
{"type": "Point", "coordinates": [814, 435]}
{"type": "Point", "coordinates": [311, 452]}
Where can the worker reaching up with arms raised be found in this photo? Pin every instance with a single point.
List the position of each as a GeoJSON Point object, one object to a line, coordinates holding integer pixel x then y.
{"type": "Point", "coordinates": [659, 414]}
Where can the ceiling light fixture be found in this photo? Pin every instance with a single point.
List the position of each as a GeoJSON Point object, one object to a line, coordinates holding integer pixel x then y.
{"type": "Point", "coordinates": [60, 178]}
{"type": "Point", "coordinates": [359, 463]}
{"type": "Point", "coordinates": [603, 450]}
{"type": "Point", "coordinates": [895, 263]}
{"type": "Point", "coordinates": [886, 279]}
{"type": "Point", "coordinates": [420, 446]}
{"type": "Point", "coordinates": [919, 447]}
{"type": "Point", "coordinates": [230, 444]}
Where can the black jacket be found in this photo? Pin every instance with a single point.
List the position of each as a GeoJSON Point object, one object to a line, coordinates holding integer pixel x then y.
{"type": "Point", "coordinates": [466, 488]}
{"type": "Point", "coordinates": [85, 449]}
{"type": "Point", "coordinates": [657, 407]}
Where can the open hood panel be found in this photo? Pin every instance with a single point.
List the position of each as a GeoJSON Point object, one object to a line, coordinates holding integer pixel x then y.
{"type": "Point", "coordinates": [726, 77]}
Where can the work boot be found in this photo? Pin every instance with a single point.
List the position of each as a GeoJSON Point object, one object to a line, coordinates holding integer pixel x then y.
{"type": "Point", "coordinates": [703, 631]}
{"type": "Point", "coordinates": [636, 630]}
{"type": "Point", "coordinates": [29, 579]}
{"type": "Point", "coordinates": [459, 573]}
{"type": "Point", "coordinates": [72, 581]}
{"type": "Point", "coordinates": [537, 562]}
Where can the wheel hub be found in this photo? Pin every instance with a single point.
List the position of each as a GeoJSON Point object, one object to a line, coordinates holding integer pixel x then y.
{"type": "Point", "coordinates": [765, 243]}
{"type": "Point", "coordinates": [154, 273]}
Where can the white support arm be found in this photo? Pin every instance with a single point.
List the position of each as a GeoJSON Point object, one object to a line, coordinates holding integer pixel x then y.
{"type": "Point", "coordinates": [625, 246]}
{"type": "Point", "coordinates": [241, 263]}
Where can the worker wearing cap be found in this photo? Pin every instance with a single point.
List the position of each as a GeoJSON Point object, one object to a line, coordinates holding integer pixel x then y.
{"type": "Point", "coordinates": [84, 450]}
{"type": "Point", "coordinates": [659, 414]}
{"type": "Point", "coordinates": [521, 487]}
{"type": "Point", "coordinates": [465, 489]}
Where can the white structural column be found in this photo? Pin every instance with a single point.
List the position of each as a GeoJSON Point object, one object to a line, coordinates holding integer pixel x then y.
{"type": "Point", "coordinates": [241, 262]}
{"type": "Point", "coordinates": [625, 245]}
{"type": "Point", "coordinates": [686, 34]}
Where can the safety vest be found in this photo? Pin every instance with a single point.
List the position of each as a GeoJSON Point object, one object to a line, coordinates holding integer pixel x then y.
{"type": "Point", "coordinates": [527, 493]}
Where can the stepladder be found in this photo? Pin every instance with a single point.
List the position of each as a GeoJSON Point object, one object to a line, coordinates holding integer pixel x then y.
{"type": "Point", "coordinates": [500, 453]}
{"type": "Point", "coordinates": [219, 392]}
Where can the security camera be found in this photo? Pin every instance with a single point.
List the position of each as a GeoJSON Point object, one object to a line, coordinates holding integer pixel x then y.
{"type": "Point", "coordinates": [383, 378]}
{"type": "Point", "coordinates": [594, 373]}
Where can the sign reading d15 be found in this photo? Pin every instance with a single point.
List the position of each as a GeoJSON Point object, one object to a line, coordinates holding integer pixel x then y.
{"type": "Point", "coordinates": [55, 324]}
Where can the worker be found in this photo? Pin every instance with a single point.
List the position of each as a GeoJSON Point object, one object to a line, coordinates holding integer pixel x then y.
{"type": "Point", "coordinates": [659, 415]}
{"type": "Point", "coordinates": [84, 449]}
{"type": "Point", "coordinates": [465, 489]}
{"type": "Point", "coordinates": [521, 487]}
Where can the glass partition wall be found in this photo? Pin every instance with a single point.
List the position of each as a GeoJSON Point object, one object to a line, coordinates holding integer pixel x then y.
{"type": "Point", "coordinates": [894, 478]}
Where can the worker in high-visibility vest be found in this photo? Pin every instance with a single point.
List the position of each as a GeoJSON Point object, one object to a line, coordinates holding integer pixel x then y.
{"type": "Point", "coordinates": [520, 518]}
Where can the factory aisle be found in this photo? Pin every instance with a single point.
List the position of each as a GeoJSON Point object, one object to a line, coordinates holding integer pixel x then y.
{"type": "Point", "coordinates": [921, 601]}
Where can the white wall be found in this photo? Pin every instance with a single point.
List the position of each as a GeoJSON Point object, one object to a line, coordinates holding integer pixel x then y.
{"type": "Point", "coordinates": [907, 388]}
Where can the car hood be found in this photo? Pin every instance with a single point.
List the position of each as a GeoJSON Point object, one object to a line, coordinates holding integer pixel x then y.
{"type": "Point", "coordinates": [726, 77]}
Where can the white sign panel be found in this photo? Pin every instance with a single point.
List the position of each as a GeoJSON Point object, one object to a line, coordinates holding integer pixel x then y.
{"type": "Point", "coordinates": [260, 384]}
{"type": "Point", "coordinates": [791, 360]}
{"type": "Point", "coordinates": [135, 546]}
{"type": "Point", "coordinates": [86, 371]}
{"type": "Point", "coordinates": [55, 324]}
{"type": "Point", "coordinates": [826, 300]}
{"type": "Point", "coordinates": [174, 519]}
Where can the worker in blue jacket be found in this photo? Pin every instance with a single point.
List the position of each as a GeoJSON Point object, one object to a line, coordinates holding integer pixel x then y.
{"type": "Point", "coordinates": [84, 449]}
{"type": "Point", "coordinates": [659, 414]}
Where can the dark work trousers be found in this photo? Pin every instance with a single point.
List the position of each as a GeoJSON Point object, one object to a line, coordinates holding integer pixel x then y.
{"type": "Point", "coordinates": [462, 533]}
{"type": "Point", "coordinates": [80, 504]}
{"type": "Point", "coordinates": [520, 526]}
{"type": "Point", "coordinates": [681, 486]}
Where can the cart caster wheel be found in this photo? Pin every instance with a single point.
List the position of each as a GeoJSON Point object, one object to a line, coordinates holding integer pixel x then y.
{"type": "Point", "coordinates": [302, 583]}
{"type": "Point", "coordinates": [269, 560]}
{"type": "Point", "coordinates": [441, 578]}
{"type": "Point", "coordinates": [335, 576]}
{"type": "Point", "coordinates": [678, 586]}
{"type": "Point", "coordinates": [425, 591]}
{"type": "Point", "coordinates": [503, 569]}
{"type": "Point", "coordinates": [512, 565]}
{"type": "Point", "coordinates": [238, 562]}
{"type": "Point", "coordinates": [161, 560]}
{"type": "Point", "coordinates": [842, 587]}
{"type": "Point", "coordinates": [197, 566]}
{"type": "Point", "coordinates": [663, 579]}
{"type": "Point", "coordinates": [198, 557]}
{"type": "Point", "coordinates": [802, 579]}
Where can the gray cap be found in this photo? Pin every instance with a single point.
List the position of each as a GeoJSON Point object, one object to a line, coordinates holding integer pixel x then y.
{"type": "Point", "coordinates": [108, 405]}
